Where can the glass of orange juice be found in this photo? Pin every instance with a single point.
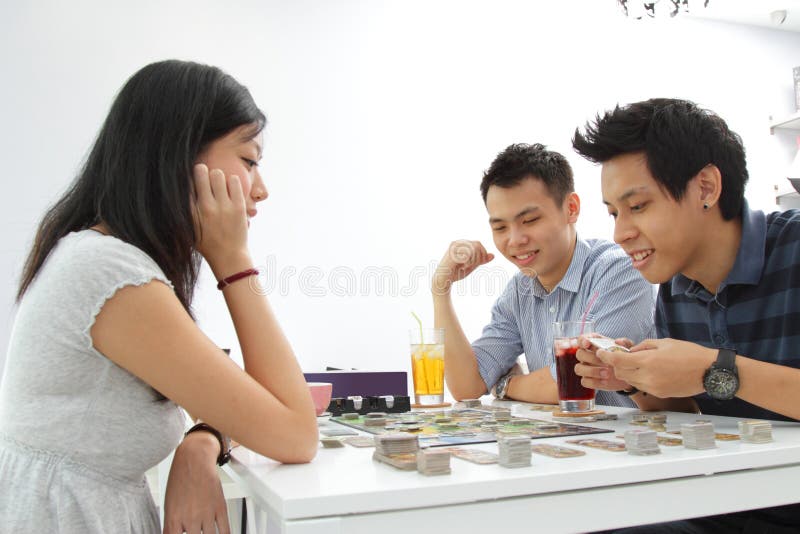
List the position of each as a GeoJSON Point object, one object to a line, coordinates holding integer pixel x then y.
{"type": "Point", "coordinates": [427, 365]}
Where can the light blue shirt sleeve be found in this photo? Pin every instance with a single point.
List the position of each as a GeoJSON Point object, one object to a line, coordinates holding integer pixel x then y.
{"type": "Point", "coordinates": [500, 343]}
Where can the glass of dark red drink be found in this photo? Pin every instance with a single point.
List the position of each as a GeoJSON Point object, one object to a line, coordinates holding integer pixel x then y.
{"type": "Point", "coordinates": [572, 396]}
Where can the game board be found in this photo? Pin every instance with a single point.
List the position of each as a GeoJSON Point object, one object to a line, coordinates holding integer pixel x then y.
{"type": "Point", "coordinates": [465, 427]}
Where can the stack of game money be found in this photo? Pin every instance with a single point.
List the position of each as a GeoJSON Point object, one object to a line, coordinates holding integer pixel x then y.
{"type": "Point", "coordinates": [350, 415]}
{"type": "Point", "coordinates": [698, 435]}
{"type": "Point", "coordinates": [433, 462]}
{"type": "Point", "coordinates": [387, 444]}
{"type": "Point", "coordinates": [641, 442]}
{"type": "Point", "coordinates": [514, 451]}
{"type": "Point", "coordinates": [471, 403]}
{"type": "Point", "coordinates": [755, 431]}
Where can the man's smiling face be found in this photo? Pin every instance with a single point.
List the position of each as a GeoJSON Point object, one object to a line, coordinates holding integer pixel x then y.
{"type": "Point", "coordinates": [661, 235]}
{"type": "Point", "coordinates": [532, 230]}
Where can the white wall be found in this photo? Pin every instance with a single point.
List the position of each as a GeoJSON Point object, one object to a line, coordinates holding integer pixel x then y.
{"type": "Point", "coordinates": [383, 115]}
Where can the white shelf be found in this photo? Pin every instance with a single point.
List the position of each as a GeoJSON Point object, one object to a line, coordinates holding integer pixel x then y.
{"type": "Point", "coordinates": [790, 122]}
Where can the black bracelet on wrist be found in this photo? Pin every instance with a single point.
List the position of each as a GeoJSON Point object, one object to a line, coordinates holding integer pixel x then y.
{"type": "Point", "coordinates": [628, 392]}
{"type": "Point", "coordinates": [224, 442]}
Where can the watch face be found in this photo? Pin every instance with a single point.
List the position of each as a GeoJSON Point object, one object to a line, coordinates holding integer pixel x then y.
{"type": "Point", "coordinates": [721, 384]}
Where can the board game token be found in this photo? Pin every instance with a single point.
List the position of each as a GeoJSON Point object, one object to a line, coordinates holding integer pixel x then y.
{"type": "Point", "coordinates": [396, 443]}
{"type": "Point", "coordinates": [514, 451]}
{"type": "Point", "coordinates": [432, 462]}
{"type": "Point", "coordinates": [641, 442]}
{"type": "Point", "coordinates": [753, 431]}
{"type": "Point", "coordinates": [698, 435]}
{"type": "Point", "coordinates": [375, 421]}
{"type": "Point", "coordinates": [502, 415]}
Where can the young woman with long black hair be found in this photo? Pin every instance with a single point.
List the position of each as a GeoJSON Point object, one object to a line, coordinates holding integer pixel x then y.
{"type": "Point", "coordinates": [104, 348]}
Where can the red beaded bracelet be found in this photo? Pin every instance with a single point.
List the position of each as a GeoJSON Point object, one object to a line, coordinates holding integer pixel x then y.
{"type": "Point", "coordinates": [234, 277]}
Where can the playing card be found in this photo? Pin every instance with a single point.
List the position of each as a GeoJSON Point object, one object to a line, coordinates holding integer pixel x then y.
{"type": "Point", "coordinates": [603, 444]}
{"type": "Point", "coordinates": [331, 442]}
{"type": "Point", "coordinates": [333, 431]}
{"type": "Point", "coordinates": [360, 441]}
{"type": "Point", "coordinates": [607, 344]}
{"type": "Point", "coordinates": [475, 456]}
{"type": "Point", "coordinates": [554, 451]}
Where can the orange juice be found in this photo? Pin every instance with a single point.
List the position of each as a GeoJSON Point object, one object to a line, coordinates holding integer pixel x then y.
{"type": "Point", "coordinates": [427, 369]}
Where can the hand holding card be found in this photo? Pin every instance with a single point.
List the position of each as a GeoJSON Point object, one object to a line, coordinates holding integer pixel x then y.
{"type": "Point", "coordinates": [605, 343]}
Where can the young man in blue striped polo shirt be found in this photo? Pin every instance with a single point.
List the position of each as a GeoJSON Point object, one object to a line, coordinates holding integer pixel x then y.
{"type": "Point", "coordinates": [728, 308]}
{"type": "Point", "coordinates": [529, 195]}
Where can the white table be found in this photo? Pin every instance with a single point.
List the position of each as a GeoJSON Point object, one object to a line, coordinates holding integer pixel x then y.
{"type": "Point", "coordinates": [343, 491]}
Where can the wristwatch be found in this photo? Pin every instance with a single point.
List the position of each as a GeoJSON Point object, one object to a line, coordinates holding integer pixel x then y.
{"type": "Point", "coordinates": [721, 380]}
{"type": "Point", "coordinates": [501, 388]}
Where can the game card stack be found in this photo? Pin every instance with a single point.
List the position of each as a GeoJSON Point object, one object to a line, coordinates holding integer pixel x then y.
{"type": "Point", "coordinates": [514, 451]}
{"type": "Point", "coordinates": [503, 414]}
{"type": "Point", "coordinates": [698, 435]}
{"type": "Point", "coordinates": [641, 442]}
{"type": "Point", "coordinates": [489, 427]}
{"type": "Point", "coordinates": [755, 431]}
{"type": "Point", "coordinates": [396, 443]}
{"type": "Point", "coordinates": [375, 419]}
{"type": "Point", "coordinates": [331, 442]}
{"type": "Point", "coordinates": [433, 462]}
{"type": "Point", "coordinates": [657, 422]}
{"type": "Point", "coordinates": [639, 419]}
{"type": "Point", "coordinates": [350, 415]}
{"type": "Point", "coordinates": [471, 403]}
{"type": "Point", "coordinates": [397, 450]}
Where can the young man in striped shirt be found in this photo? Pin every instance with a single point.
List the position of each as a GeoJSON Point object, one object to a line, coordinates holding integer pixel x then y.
{"type": "Point", "coordinates": [728, 308]}
{"type": "Point", "coordinates": [529, 195]}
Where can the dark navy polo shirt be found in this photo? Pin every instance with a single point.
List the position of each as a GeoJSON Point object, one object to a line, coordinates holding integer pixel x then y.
{"type": "Point", "coordinates": [756, 310]}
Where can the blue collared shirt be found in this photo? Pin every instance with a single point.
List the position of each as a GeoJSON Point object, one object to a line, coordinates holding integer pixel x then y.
{"type": "Point", "coordinates": [522, 317]}
{"type": "Point", "coordinates": [756, 310]}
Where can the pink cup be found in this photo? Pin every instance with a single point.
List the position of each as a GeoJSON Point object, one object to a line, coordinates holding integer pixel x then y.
{"type": "Point", "coordinates": [321, 395]}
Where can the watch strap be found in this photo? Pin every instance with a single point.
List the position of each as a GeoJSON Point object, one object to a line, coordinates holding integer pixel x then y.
{"type": "Point", "coordinates": [726, 359]}
{"type": "Point", "coordinates": [628, 392]}
{"type": "Point", "coordinates": [224, 442]}
{"type": "Point", "coordinates": [501, 387]}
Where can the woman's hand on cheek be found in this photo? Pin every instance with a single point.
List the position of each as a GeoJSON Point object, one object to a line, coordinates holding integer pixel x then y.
{"type": "Point", "coordinates": [221, 221]}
